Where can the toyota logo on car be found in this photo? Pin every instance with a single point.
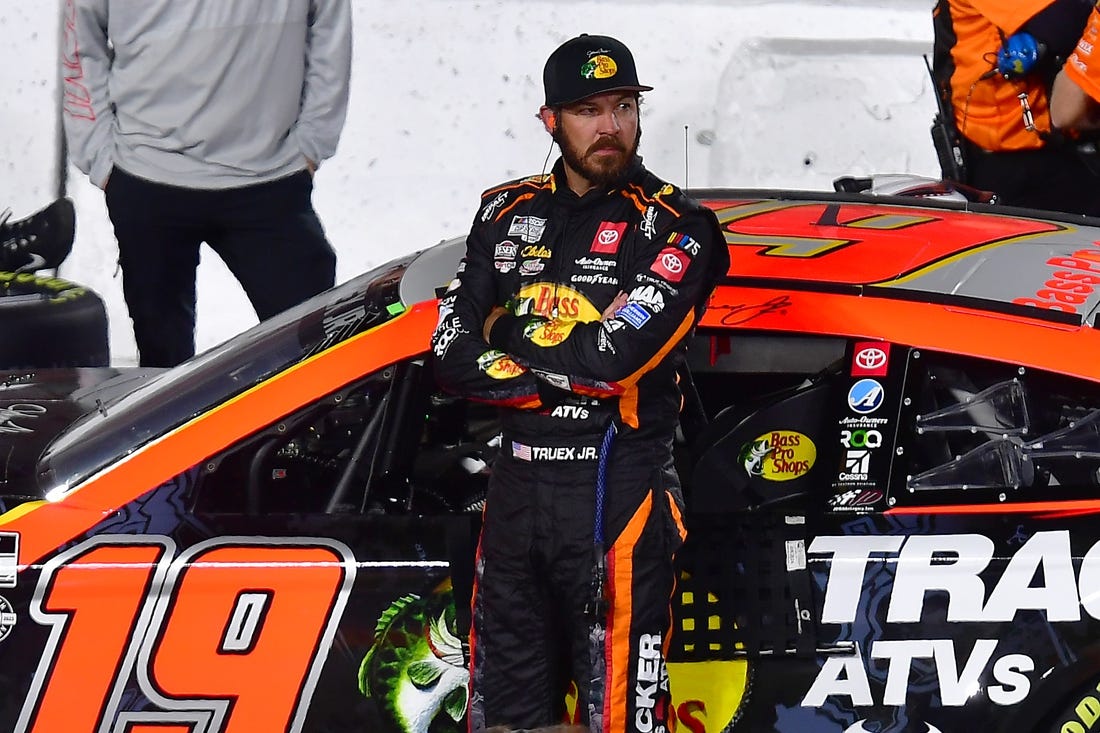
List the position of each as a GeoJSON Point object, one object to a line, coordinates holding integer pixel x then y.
{"type": "Point", "coordinates": [870, 360]}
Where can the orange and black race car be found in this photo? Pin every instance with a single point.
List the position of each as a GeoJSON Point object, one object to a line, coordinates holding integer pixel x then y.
{"type": "Point", "coordinates": [891, 463]}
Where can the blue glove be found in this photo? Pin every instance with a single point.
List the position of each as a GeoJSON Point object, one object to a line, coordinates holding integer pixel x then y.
{"type": "Point", "coordinates": [1018, 55]}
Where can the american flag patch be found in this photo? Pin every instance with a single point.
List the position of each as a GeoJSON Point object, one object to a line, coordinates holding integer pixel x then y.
{"type": "Point", "coordinates": [521, 451]}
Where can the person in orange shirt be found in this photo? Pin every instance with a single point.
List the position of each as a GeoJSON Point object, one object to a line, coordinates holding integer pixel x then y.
{"type": "Point", "coordinates": [1075, 101]}
{"type": "Point", "coordinates": [993, 64]}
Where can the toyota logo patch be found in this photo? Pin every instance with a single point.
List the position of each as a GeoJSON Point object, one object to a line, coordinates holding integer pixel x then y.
{"type": "Point", "coordinates": [870, 359]}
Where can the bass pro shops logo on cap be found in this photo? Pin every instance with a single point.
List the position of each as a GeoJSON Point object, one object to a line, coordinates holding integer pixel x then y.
{"type": "Point", "coordinates": [599, 67]}
{"type": "Point", "coordinates": [588, 65]}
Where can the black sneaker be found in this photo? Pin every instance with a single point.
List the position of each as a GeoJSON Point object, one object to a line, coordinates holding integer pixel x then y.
{"type": "Point", "coordinates": [40, 241]}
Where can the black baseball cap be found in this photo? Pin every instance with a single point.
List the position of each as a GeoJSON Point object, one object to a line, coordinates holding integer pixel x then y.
{"type": "Point", "coordinates": [588, 65]}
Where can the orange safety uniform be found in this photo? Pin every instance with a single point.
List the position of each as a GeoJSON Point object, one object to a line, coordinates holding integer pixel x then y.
{"type": "Point", "coordinates": [1081, 68]}
{"type": "Point", "coordinates": [988, 111]}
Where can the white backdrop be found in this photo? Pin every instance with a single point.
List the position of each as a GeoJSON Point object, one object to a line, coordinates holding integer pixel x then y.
{"type": "Point", "coordinates": [443, 102]}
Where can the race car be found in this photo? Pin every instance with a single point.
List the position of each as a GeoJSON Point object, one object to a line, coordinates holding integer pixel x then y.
{"type": "Point", "coordinates": [890, 450]}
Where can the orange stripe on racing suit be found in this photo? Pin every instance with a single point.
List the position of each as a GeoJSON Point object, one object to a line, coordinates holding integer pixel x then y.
{"type": "Point", "coordinates": [617, 645]}
{"type": "Point", "coordinates": [628, 403]}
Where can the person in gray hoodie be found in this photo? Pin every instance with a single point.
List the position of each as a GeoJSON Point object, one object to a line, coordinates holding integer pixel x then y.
{"type": "Point", "coordinates": [203, 121]}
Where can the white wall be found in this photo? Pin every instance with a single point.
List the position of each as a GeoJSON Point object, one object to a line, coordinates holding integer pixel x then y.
{"type": "Point", "coordinates": [444, 95]}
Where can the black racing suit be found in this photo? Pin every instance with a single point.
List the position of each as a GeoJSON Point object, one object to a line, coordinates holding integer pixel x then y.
{"type": "Point", "coordinates": [556, 261]}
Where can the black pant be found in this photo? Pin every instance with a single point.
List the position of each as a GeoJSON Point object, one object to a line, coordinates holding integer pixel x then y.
{"type": "Point", "coordinates": [1054, 178]}
{"type": "Point", "coordinates": [268, 235]}
{"type": "Point", "coordinates": [531, 632]}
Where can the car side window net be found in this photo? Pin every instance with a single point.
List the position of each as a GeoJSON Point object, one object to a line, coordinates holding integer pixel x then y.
{"type": "Point", "coordinates": [388, 444]}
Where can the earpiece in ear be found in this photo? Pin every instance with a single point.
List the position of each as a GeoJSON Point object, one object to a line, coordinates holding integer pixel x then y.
{"type": "Point", "coordinates": [552, 120]}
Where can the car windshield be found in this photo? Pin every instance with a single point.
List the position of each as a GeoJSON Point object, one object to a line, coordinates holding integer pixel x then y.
{"type": "Point", "coordinates": [113, 429]}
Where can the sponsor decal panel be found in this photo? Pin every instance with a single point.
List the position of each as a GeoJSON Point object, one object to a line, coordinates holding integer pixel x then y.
{"type": "Point", "coordinates": [499, 365]}
{"type": "Point", "coordinates": [594, 263]}
{"type": "Point", "coordinates": [856, 458]}
{"type": "Point", "coordinates": [531, 267]}
{"type": "Point", "coordinates": [856, 465]}
{"type": "Point", "coordinates": [855, 500]}
{"type": "Point", "coordinates": [1071, 284]}
{"type": "Point", "coordinates": [492, 206]}
{"type": "Point", "coordinates": [860, 438]}
{"type": "Point", "coordinates": [550, 333]}
{"type": "Point", "coordinates": [532, 250]}
{"type": "Point", "coordinates": [527, 228]}
{"type": "Point", "coordinates": [870, 359]}
{"type": "Point", "coordinates": [552, 300]}
{"type": "Point", "coordinates": [987, 585]}
{"type": "Point", "coordinates": [571, 412]}
{"type": "Point", "coordinates": [446, 309]}
{"type": "Point", "coordinates": [561, 381]}
{"type": "Point", "coordinates": [778, 455]}
{"type": "Point", "coordinates": [608, 237]}
{"type": "Point", "coordinates": [684, 242]}
{"type": "Point", "coordinates": [604, 342]}
{"type": "Point", "coordinates": [445, 335]}
{"type": "Point", "coordinates": [648, 296]}
{"type": "Point", "coordinates": [648, 226]}
{"type": "Point", "coordinates": [634, 314]}
{"type": "Point", "coordinates": [866, 396]}
{"type": "Point", "coordinates": [594, 278]}
{"type": "Point", "coordinates": [671, 264]}
{"type": "Point", "coordinates": [651, 688]}
{"type": "Point", "coordinates": [504, 368]}
{"type": "Point", "coordinates": [665, 285]}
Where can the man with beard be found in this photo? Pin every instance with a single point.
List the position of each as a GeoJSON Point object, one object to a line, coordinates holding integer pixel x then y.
{"type": "Point", "coordinates": [570, 311]}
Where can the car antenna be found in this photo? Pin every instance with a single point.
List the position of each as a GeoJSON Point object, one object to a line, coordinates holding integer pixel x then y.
{"type": "Point", "coordinates": [685, 156]}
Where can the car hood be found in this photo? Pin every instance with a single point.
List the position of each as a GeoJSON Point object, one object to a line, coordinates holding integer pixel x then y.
{"type": "Point", "coordinates": [37, 405]}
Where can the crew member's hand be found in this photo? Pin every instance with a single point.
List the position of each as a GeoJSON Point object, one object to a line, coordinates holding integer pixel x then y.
{"type": "Point", "coordinates": [611, 310]}
{"type": "Point", "coordinates": [1018, 55]}
{"type": "Point", "coordinates": [494, 314]}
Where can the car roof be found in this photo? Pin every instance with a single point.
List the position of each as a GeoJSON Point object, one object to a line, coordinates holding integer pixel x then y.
{"type": "Point", "coordinates": [985, 257]}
